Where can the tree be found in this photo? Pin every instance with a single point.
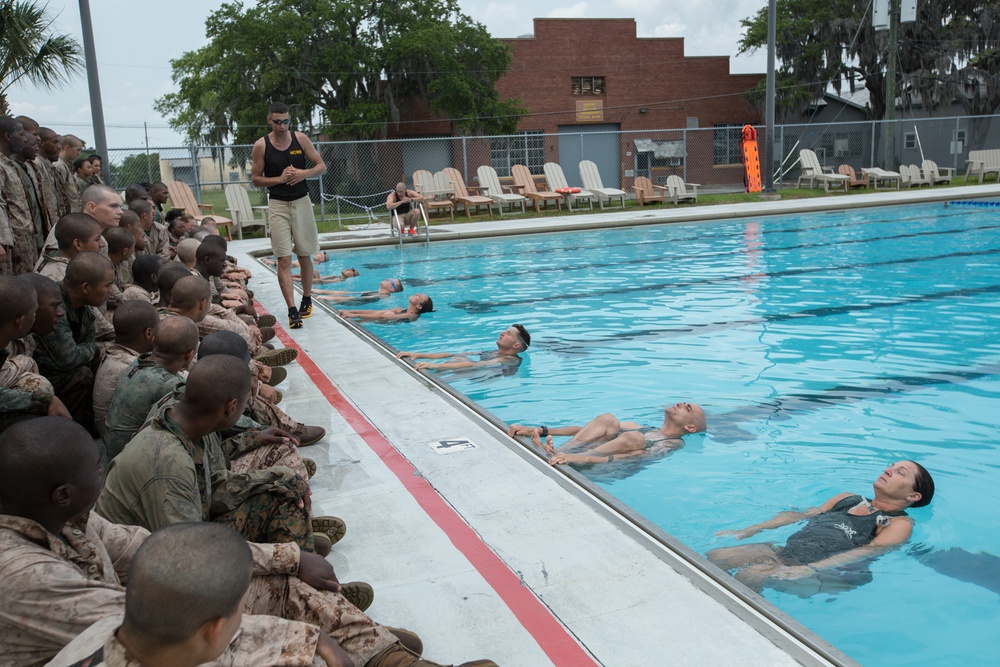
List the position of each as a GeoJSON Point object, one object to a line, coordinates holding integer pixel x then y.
{"type": "Point", "coordinates": [349, 68]}
{"type": "Point", "coordinates": [949, 53]}
{"type": "Point", "coordinates": [136, 168]}
{"type": "Point", "coordinates": [29, 51]}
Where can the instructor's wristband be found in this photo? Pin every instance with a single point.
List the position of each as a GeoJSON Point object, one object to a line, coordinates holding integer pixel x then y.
{"type": "Point", "coordinates": [544, 431]}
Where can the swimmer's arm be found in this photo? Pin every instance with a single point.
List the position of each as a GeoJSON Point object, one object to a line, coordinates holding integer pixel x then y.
{"type": "Point", "coordinates": [521, 429]}
{"type": "Point", "coordinates": [784, 519]}
{"type": "Point", "coordinates": [425, 355]}
{"type": "Point", "coordinates": [456, 365]}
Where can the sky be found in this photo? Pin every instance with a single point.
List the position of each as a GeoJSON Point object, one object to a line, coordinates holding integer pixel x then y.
{"type": "Point", "coordinates": [136, 39]}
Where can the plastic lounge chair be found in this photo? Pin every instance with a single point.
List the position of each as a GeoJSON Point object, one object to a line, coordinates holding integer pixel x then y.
{"type": "Point", "coordinates": [238, 200]}
{"type": "Point", "coordinates": [816, 174]}
{"type": "Point", "coordinates": [983, 162]}
{"type": "Point", "coordinates": [462, 195]}
{"type": "Point", "coordinates": [556, 180]}
{"type": "Point", "coordinates": [881, 176]}
{"type": "Point", "coordinates": [645, 191]}
{"type": "Point", "coordinates": [182, 197]}
{"type": "Point", "coordinates": [910, 176]}
{"type": "Point", "coordinates": [680, 191]}
{"type": "Point", "coordinates": [434, 200]}
{"type": "Point", "coordinates": [855, 182]}
{"type": "Point", "coordinates": [490, 182]}
{"type": "Point", "coordinates": [933, 173]}
{"type": "Point", "coordinates": [524, 181]}
{"type": "Point", "coordinates": [591, 179]}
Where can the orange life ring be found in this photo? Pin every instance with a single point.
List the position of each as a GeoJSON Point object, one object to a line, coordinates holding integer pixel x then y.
{"type": "Point", "coordinates": [568, 191]}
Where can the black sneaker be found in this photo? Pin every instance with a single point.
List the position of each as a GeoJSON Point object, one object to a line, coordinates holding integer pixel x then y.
{"type": "Point", "coordinates": [306, 307]}
{"type": "Point", "coordinates": [294, 318]}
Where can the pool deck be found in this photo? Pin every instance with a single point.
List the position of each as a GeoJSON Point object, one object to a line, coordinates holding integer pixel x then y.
{"type": "Point", "coordinates": [488, 551]}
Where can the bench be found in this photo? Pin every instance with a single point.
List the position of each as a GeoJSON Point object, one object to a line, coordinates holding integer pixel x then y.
{"type": "Point", "coordinates": [983, 162]}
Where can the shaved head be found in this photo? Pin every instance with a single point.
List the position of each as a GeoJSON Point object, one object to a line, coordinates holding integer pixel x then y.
{"type": "Point", "coordinates": [224, 342]}
{"type": "Point", "coordinates": [98, 194]}
{"type": "Point", "coordinates": [182, 577]}
{"type": "Point", "coordinates": [17, 298]}
{"type": "Point", "coordinates": [133, 318]}
{"type": "Point", "coordinates": [214, 381]}
{"type": "Point", "coordinates": [39, 455]}
{"type": "Point", "coordinates": [188, 291]}
{"type": "Point", "coordinates": [174, 336]}
{"type": "Point", "coordinates": [88, 267]}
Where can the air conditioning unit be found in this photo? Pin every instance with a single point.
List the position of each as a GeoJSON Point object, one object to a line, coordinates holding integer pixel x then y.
{"type": "Point", "coordinates": [840, 148]}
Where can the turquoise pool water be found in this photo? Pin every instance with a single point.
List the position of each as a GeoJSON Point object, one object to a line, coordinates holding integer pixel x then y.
{"type": "Point", "coordinates": [823, 347]}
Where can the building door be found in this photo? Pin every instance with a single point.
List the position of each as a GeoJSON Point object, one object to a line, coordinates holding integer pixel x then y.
{"type": "Point", "coordinates": [430, 154]}
{"type": "Point", "coordinates": [598, 143]}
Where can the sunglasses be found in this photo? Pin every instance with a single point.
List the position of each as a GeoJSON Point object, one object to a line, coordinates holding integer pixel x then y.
{"type": "Point", "coordinates": [287, 121]}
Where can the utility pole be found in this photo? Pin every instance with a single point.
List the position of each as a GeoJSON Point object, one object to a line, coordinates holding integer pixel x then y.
{"type": "Point", "coordinates": [96, 106]}
{"type": "Point", "coordinates": [772, 22]}
{"type": "Point", "coordinates": [888, 14]}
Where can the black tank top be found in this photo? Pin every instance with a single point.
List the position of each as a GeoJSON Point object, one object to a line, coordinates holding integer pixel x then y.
{"type": "Point", "coordinates": [833, 532]}
{"type": "Point", "coordinates": [276, 161]}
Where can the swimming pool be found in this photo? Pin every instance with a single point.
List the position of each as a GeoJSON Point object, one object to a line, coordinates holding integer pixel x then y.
{"type": "Point", "coordinates": [823, 347]}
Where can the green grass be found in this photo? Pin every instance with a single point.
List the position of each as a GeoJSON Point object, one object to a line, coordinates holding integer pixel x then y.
{"type": "Point", "coordinates": [217, 199]}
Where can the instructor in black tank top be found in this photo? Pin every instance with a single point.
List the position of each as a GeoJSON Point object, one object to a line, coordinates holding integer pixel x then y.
{"type": "Point", "coordinates": [280, 164]}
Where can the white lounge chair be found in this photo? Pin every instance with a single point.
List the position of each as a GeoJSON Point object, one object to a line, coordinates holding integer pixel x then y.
{"type": "Point", "coordinates": [679, 191]}
{"type": "Point", "coordinates": [556, 179]}
{"type": "Point", "coordinates": [881, 177]}
{"type": "Point", "coordinates": [591, 179]}
{"type": "Point", "coordinates": [489, 185]}
{"type": "Point", "coordinates": [815, 174]}
{"type": "Point", "coordinates": [434, 199]}
{"type": "Point", "coordinates": [933, 173]}
{"type": "Point", "coordinates": [911, 177]}
{"type": "Point", "coordinates": [238, 200]}
{"type": "Point", "coordinates": [983, 163]}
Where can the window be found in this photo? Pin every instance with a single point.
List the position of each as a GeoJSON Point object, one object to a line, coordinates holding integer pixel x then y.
{"type": "Point", "coordinates": [527, 148]}
{"type": "Point", "coordinates": [727, 143]}
{"type": "Point", "coordinates": [909, 141]}
{"type": "Point", "coordinates": [646, 162]}
{"type": "Point", "coordinates": [588, 85]}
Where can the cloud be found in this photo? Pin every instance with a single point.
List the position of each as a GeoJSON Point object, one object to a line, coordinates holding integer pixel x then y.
{"type": "Point", "coordinates": [577, 11]}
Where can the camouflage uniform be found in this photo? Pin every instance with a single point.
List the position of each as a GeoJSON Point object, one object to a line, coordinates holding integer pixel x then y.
{"type": "Point", "coordinates": [68, 357]}
{"type": "Point", "coordinates": [46, 176]}
{"type": "Point", "coordinates": [32, 186]}
{"type": "Point", "coordinates": [117, 359]}
{"type": "Point", "coordinates": [19, 216]}
{"type": "Point", "coordinates": [24, 394]}
{"type": "Point", "coordinates": [134, 292]}
{"type": "Point", "coordinates": [56, 586]}
{"type": "Point", "coordinates": [52, 266]}
{"type": "Point", "coordinates": [158, 241]}
{"type": "Point", "coordinates": [141, 385]}
{"type": "Point", "coordinates": [162, 477]}
{"type": "Point", "coordinates": [70, 195]}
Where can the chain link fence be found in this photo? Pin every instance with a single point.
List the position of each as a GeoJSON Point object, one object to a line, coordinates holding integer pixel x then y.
{"type": "Point", "coordinates": [361, 173]}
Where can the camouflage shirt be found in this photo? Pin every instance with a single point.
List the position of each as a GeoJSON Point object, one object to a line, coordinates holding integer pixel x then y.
{"type": "Point", "coordinates": [70, 195]}
{"type": "Point", "coordinates": [52, 266]}
{"type": "Point", "coordinates": [55, 586]}
{"type": "Point", "coordinates": [50, 199]}
{"type": "Point", "coordinates": [16, 398]}
{"type": "Point", "coordinates": [134, 292]}
{"type": "Point", "coordinates": [72, 344]}
{"type": "Point", "coordinates": [15, 213]}
{"type": "Point", "coordinates": [143, 382]}
{"type": "Point", "coordinates": [113, 367]}
{"type": "Point", "coordinates": [163, 477]}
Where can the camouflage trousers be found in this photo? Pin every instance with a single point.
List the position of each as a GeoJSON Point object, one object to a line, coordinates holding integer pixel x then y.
{"type": "Point", "coordinates": [21, 373]}
{"type": "Point", "coordinates": [27, 251]}
{"type": "Point", "coordinates": [290, 598]}
{"type": "Point", "coordinates": [268, 518]}
{"type": "Point", "coordinates": [269, 456]}
{"type": "Point", "coordinates": [264, 412]}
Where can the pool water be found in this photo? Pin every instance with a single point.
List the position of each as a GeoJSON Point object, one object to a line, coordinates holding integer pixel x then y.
{"type": "Point", "coordinates": [822, 347]}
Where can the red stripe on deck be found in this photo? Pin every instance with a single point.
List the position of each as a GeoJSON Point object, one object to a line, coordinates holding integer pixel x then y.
{"type": "Point", "coordinates": [560, 647]}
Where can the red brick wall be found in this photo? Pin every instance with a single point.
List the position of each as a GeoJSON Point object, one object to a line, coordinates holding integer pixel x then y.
{"type": "Point", "coordinates": [649, 73]}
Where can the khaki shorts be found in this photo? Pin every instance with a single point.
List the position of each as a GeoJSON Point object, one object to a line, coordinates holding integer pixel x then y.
{"type": "Point", "coordinates": [293, 228]}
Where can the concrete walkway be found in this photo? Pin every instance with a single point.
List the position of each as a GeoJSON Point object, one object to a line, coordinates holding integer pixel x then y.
{"type": "Point", "coordinates": [487, 551]}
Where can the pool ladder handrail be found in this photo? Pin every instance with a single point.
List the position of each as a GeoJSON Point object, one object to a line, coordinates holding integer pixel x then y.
{"type": "Point", "coordinates": [396, 226]}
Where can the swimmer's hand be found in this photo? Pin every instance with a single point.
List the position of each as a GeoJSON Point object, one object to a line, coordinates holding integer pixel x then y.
{"type": "Point", "coordinates": [406, 355]}
{"type": "Point", "coordinates": [520, 429]}
{"type": "Point", "coordinates": [536, 439]}
{"type": "Point", "coordinates": [793, 572]}
{"type": "Point", "coordinates": [562, 458]}
{"type": "Point", "coordinates": [425, 366]}
{"type": "Point", "coordinates": [739, 534]}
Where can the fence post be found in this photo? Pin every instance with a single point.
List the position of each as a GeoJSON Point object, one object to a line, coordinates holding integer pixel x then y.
{"type": "Point", "coordinates": [954, 140]}
{"type": "Point", "coordinates": [871, 158]}
{"type": "Point", "coordinates": [781, 155]}
{"type": "Point", "coordinates": [684, 139]}
{"type": "Point", "coordinates": [465, 162]}
{"type": "Point", "coordinates": [194, 167]}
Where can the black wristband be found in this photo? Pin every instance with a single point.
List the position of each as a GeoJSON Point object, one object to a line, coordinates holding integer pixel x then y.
{"type": "Point", "coordinates": [544, 431]}
{"type": "Point", "coordinates": [611, 457]}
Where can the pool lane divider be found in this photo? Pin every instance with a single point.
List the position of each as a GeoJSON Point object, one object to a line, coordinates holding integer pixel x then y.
{"type": "Point", "coordinates": [551, 636]}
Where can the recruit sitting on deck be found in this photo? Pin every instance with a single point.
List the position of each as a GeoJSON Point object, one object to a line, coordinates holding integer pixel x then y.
{"type": "Point", "coordinates": [512, 340]}
{"type": "Point", "coordinates": [605, 439]}
{"type": "Point", "coordinates": [846, 529]}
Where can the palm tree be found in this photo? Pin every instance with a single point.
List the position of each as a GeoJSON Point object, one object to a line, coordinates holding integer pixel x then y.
{"type": "Point", "coordinates": [29, 51]}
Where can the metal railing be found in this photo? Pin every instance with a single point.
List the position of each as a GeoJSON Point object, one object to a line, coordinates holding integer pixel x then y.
{"type": "Point", "coordinates": [360, 173]}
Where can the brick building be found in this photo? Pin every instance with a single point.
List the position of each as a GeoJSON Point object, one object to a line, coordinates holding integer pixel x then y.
{"type": "Point", "coordinates": [584, 80]}
{"type": "Point", "coordinates": [594, 90]}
